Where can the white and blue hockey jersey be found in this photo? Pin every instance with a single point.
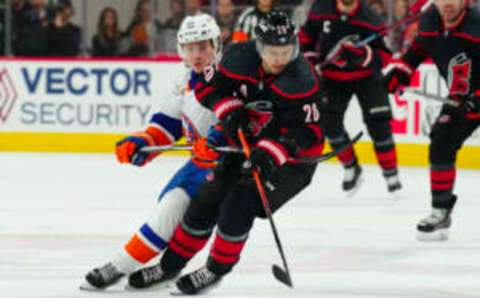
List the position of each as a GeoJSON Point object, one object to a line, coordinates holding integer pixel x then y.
{"type": "Point", "coordinates": [180, 114]}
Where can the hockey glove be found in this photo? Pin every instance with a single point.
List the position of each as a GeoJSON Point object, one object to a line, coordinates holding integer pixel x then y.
{"type": "Point", "coordinates": [397, 75]}
{"type": "Point", "coordinates": [266, 157]}
{"type": "Point", "coordinates": [232, 116]}
{"type": "Point", "coordinates": [128, 149]}
{"type": "Point", "coordinates": [471, 106]}
{"type": "Point", "coordinates": [203, 156]}
{"type": "Point", "coordinates": [352, 57]}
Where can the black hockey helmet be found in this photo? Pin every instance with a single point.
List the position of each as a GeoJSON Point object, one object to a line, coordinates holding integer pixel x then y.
{"type": "Point", "coordinates": [276, 29]}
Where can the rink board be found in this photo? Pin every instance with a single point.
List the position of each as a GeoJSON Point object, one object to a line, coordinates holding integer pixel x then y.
{"type": "Point", "coordinates": [86, 105]}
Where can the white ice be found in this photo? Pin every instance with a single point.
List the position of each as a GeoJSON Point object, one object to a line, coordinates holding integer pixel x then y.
{"type": "Point", "coordinates": [63, 214]}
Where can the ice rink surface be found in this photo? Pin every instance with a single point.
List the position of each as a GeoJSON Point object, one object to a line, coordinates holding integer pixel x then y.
{"type": "Point", "coordinates": [63, 214]}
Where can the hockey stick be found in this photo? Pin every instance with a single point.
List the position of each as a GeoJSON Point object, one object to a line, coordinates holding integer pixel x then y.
{"type": "Point", "coordinates": [331, 56]}
{"type": "Point", "coordinates": [226, 149]}
{"type": "Point", "coordinates": [281, 274]}
{"type": "Point", "coordinates": [405, 20]}
{"type": "Point", "coordinates": [431, 96]}
{"type": "Point", "coordinates": [155, 149]}
{"type": "Point", "coordinates": [331, 154]}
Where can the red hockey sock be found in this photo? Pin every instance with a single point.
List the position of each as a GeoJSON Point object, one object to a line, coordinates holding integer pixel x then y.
{"type": "Point", "coordinates": [442, 179]}
{"type": "Point", "coordinates": [387, 161]}
{"type": "Point", "coordinates": [225, 253]}
{"type": "Point", "coordinates": [347, 157]}
{"type": "Point", "coordinates": [185, 244]}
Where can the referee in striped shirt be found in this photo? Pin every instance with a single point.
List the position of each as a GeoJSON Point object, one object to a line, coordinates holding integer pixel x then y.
{"type": "Point", "coordinates": [248, 20]}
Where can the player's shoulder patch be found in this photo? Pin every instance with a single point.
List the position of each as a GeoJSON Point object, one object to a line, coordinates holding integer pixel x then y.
{"type": "Point", "coordinates": [299, 81]}
{"type": "Point", "coordinates": [240, 62]}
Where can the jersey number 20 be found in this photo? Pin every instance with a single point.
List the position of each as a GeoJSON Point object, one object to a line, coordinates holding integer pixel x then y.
{"type": "Point", "coordinates": [312, 113]}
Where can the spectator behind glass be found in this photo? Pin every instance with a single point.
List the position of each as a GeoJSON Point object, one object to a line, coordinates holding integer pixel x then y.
{"type": "Point", "coordinates": [226, 17]}
{"type": "Point", "coordinates": [64, 37]}
{"type": "Point", "coordinates": [141, 29]}
{"type": "Point", "coordinates": [167, 37]}
{"type": "Point", "coordinates": [300, 13]}
{"type": "Point", "coordinates": [401, 10]}
{"type": "Point", "coordinates": [31, 28]}
{"type": "Point", "coordinates": [106, 43]}
{"type": "Point", "coordinates": [378, 7]}
{"type": "Point", "coordinates": [177, 13]}
{"type": "Point", "coordinates": [193, 7]}
{"type": "Point", "coordinates": [248, 20]}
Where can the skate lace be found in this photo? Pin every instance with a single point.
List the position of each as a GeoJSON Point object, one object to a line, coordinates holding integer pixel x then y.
{"type": "Point", "coordinates": [152, 273]}
{"type": "Point", "coordinates": [108, 272]}
{"type": "Point", "coordinates": [202, 277]}
{"type": "Point", "coordinates": [436, 216]}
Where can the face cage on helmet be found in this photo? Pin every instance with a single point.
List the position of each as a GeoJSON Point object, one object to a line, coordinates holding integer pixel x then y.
{"type": "Point", "coordinates": [296, 51]}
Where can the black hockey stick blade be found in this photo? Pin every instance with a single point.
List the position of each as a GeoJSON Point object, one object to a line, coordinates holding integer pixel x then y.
{"type": "Point", "coordinates": [333, 153]}
{"type": "Point", "coordinates": [282, 276]}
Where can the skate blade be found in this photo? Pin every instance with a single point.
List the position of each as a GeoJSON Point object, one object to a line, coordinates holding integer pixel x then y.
{"type": "Point", "coordinates": [114, 288]}
{"type": "Point", "coordinates": [85, 286]}
{"type": "Point", "coordinates": [438, 235]}
{"type": "Point", "coordinates": [396, 195]}
{"type": "Point", "coordinates": [353, 191]}
{"type": "Point", "coordinates": [89, 288]}
{"type": "Point", "coordinates": [177, 292]}
{"type": "Point", "coordinates": [155, 287]}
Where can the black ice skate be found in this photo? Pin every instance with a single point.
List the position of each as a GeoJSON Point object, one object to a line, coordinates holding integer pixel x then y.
{"type": "Point", "coordinates": [101, 278]}
{"type": "Point", "coordinates": [352, 179]}
{"type": "Point", "coordinates": [198, 281]}
{"type": "Point", "coordinates": [149, 276]}
{"type": "Point", "coordinates": [435, 227]}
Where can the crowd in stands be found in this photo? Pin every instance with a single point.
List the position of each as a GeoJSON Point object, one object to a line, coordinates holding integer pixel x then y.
{"type": "Point", "coordinates": [41, 29]}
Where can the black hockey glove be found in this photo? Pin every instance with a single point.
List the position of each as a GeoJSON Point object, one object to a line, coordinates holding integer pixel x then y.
{"type": "Point", "coordinates": [471, 106]}
{"type": "Point", "coordinates": [233, 116]}
{"type": "Point", "coordinates": [346, 55]}
{"type": "Point", "coordinates": [234, 121]}
{"type": "Point", "coordinates": [351, 57]}
{"type": "Point", "coordinates": [261, 161]}
{"type": "Point", "coordinates": [397, 75]}
{"type": "Point", "coordinates": [266, 158]}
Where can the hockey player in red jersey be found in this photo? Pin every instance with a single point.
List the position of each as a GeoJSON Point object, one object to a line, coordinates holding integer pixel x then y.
{"type": "Point", "coordinates": [268, 74]}
{"type": "Point", "coordinates": [449, 34]}
{"type": "Point", "coordinates": [333, 26]}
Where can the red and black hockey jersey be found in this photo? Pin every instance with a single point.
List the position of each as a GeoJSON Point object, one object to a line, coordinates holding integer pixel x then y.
{"type": "Point", "coordinates": [327, 26]}
{"type": "Point", "coordinates": [240, 81]}
{"type": "Point", "coordinates": [455, 52]}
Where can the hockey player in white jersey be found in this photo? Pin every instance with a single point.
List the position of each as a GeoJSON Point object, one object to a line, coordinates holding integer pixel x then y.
{"type": "Point", "coordinates": [179, 115]}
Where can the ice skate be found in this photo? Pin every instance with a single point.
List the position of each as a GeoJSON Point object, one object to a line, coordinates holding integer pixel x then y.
{"type": "Point", "coordinates": [352, 180]}
{"type": "Point", "coordinates": [149, 276]}
{"type": "Point", "coordinates": [436, 226]}
{"type": "Point", "coordinates": [394, 187]}
{"type": "Point", "coordinates": [198, 281]}
{"type": "Point", "coordinates": [101, 278]}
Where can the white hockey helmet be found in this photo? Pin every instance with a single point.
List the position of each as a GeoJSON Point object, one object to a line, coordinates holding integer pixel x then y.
{"type": "Point", "coordinates": [198, 28]}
